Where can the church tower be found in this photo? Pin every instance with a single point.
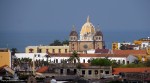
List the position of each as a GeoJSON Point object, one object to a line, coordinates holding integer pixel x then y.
{"type": "Point", "coordinates": [73, 40]}
{"type": "Point", "coordinates": [98, 39]}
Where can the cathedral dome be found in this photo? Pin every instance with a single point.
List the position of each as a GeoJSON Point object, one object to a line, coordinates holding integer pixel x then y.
{"type": "Point", "coordinates": [87, 27]}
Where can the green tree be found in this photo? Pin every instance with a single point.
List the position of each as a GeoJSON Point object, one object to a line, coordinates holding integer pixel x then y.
{"type": "Point", "coordinates": [101, 62]}
{"type": "Point", "coordinates": [56, 43]}
{"type": "Point", "coordinates": [123, 47]}
{"type": "Point", "coordinates": [74, 57]}
{"type": "Point", "coordinates": [147, 63]}
{"type": "Point", "coordinates": [13, 51]}
{"type": "Point", "coordinates": [65, 42]}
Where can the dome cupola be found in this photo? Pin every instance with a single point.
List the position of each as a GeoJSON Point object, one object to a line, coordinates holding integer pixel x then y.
{"type": "Point", "coordinates": [87, 27]}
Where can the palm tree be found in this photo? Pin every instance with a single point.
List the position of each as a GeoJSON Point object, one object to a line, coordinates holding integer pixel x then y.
{"type": "Point", "coordinates": [74, 57]}
{"type": "Point", "coordinates": [47, 56]}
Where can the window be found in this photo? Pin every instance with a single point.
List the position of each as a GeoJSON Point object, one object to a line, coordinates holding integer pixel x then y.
{"type": "Point", "coordinates": [96, 72]}
{"type": "Point", "coordinates": [72, 44]}
{"type": "Point", "coordinates": [38, 55]}
{"type": "Point", "coordinates": [30, 50]}
{"type": "Point", "coordinates": [65, 50]}
{"type": "Point", "coordinates": [68, 71]}
{"type": "Point", "coordinates": [46, 50]}
{"type": "Point", "coordinates": [83, 72]}
{"type": "Point", "coordinates": [75, 71]}
{"type": "Point", "coordinates": [39, 50]}
{"type": "Point", "coordinates": [34, 55]}
{"type": "Point", "coordinates": [61, 71]}
{"type": "Point", "coordinates": [53, 50]}
{"type": "Point", "coordinates": [83, 60]}
{"type": "Point", "coordinates": [106, 72]}
{"type": "Point", "coordinates": [89, 61]}
{"type": "Point", "coordinates": [59, 50]}
{"type": "Point", "coordinates": [56, 60]}
{"type": "Point", "coordinates": [99, 38]}
{"type": "Point", "coordinates": [74, 38]}
{"type": "Point", "coordinates": [123, 61]}
{"type": "Point", "coordinates": [89, 72]}
{"type": "Point", "coordinates": [143, 45]}
{"type": "Point", "coordinates": [118, 61]}
{"type": "Point", "coordinates": [101, 71]}
{"type": "Point", "coordinates": [74, 60]}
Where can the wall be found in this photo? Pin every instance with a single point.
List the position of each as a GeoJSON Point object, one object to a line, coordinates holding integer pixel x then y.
{"type": "Point", "coordinates": [53, 58]}
{"type": "Point", "coordinates": [5, 58]}
{"type": "Point", "coordinates": [49, 48]}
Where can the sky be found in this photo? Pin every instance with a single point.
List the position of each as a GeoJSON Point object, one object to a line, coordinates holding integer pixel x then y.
{"type": "Point", "coordinates": [40, 22]}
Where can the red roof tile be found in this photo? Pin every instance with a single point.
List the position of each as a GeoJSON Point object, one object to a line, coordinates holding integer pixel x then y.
{"type": "Point", "coordinates": [42, 69]}
{"type": "Point", "coordinates": [129, 51]}
{"type": "Point", "coordinates": [102, 51]}
{"type": "Point", "coordinates": [141, 70]}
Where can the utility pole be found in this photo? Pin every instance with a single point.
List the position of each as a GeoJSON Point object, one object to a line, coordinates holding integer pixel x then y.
{"type": "Point", "coordinates": [33, 68]}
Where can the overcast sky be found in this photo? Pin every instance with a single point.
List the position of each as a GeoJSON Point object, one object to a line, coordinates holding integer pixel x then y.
{"type": "Point", "coordinates": [35, 22]}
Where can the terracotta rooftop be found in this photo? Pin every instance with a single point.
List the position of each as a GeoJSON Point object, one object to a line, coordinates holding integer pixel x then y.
{"type": "Point", "coordinates": [42, 69]}
{"type": "Point", "coordinates": [140, 70]}
{"type": "Point", "coordinates": [102, 51]}
{"type": "Point", "coordinates": [89, 55]}
{"type": "Point", "coordinates": [129, 51]}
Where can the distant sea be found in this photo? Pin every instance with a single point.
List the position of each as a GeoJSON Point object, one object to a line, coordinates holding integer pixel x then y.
{"type": "Point", "coordinates": [22, 40]}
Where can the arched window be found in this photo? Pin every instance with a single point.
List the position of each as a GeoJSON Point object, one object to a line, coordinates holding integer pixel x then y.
{"type": "Point", "coordinates": [56, 60]}
{"type": "Point", "coordinates": [83, 60]}
{"type": "Point", "coordinates": [74, 61]}
{"type": "Point", "coordinates": [99, 38]}
{"type": "Point", "coordinates": [123, 61]}
{"type": "Point", "coordinates": [118, 61]}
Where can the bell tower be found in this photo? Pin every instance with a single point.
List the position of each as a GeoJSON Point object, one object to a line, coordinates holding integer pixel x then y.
{"type": "Point", "coordinates": [73, 40]}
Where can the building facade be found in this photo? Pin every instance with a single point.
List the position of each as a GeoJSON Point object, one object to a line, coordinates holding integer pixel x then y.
{"type": "Point", "coordinates": [84, 58]}
{"type": "Point", "coordinates": [45, 49]}
{"type": "Point", "coordinates": [88, 39]}
{"type": "Point", "coordinates": [5, 57]}
{"type": "Point", "coordinates": [117, 45]}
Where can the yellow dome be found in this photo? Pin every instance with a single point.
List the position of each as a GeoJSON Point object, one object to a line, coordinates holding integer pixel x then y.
{"type": "Point", "coordinates": [87, 27]}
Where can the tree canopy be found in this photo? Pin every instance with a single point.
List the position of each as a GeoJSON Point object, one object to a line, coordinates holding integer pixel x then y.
{"type": "Point", "coordinates": [59, 43]}
{"type": "Point", "coordinates": [101, 62]}
{"type": "Point", "coordinates": [13, 51]}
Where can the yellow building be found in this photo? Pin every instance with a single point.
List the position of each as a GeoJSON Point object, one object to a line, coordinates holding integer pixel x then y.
{"type": "Point", "coordinates": [115, 46]}
{"type": "Point", "coordinates": [137, 42]}
{"type": "Point", "coordinates": [5, 57]}
{"type": "Point", "coordinates": [50, 49]}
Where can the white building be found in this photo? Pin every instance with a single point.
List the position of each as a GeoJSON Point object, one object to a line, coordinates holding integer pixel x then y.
{"type": "Point", "coordinates": [84, 58]}
{"type": "Point", "coordinates": [145, 44]}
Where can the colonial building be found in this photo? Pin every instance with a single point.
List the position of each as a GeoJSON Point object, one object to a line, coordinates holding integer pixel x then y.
{"type": "Point", "coordinates": [45, 49]}
{"type": "Point", "coordinates": [89, 38]}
